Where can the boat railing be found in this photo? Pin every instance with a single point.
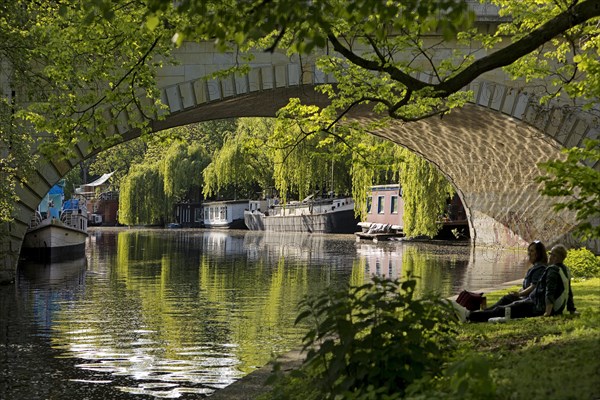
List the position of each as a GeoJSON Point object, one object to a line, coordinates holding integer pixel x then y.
{"type": "Point", "coordinates": [67, 217]}
{"type": "Point", "coordinates": [74, 217]}
{"type": "Point", "coordinates": [36, 219]}
{"type": "Point", "coordinates": [310, 206]}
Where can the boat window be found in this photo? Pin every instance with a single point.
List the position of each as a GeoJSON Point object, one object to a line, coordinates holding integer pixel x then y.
{"type": "Point", "coordinates": [369, 204]}
{"type": "Point", "coordinates": [380, 204]}
{"type": "Point", "coordinates": [394, 205]}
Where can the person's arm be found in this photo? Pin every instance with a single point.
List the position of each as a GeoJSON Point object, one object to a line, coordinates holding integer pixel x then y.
{"type": "Point", "coordinates": [525, 292]}
{"type": "Point", "coordinates": [552, 278]}
{"type": "Point", "coordinates": [533, 276]}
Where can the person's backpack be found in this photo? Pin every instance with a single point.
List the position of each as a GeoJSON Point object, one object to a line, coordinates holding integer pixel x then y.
{"type": "Point", "coordinates": [470, 300]}
{"type": "Point", "coordinates": [561, 301]}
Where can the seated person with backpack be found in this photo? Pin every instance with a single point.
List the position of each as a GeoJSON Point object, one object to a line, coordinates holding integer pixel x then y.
{"type": "Point", "coordinates": [550, 296]}
{"type": "Point", "coordinates": [536, 252]}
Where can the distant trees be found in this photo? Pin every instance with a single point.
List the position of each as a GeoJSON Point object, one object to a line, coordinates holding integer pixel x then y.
{"type": "Point", "coordinates": [241, 166]}
{"type": "Point", "coordinates": [283, 155]}
{"type": "Point", "coordinates": [170, 172]}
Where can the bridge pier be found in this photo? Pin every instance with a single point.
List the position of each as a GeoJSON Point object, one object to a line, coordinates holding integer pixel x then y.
{"type": "Point", "coordinates": [10, 248]}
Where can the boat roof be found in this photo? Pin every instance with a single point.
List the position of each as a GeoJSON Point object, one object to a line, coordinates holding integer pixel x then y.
{"type": "Point", "coordinates": [100, 180]}
{"type": "Point", "coordinates": [216, 202]}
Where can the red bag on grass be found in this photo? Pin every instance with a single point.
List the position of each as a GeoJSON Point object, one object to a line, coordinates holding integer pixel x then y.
{"type": "Point", "coordinates": [470, 300]}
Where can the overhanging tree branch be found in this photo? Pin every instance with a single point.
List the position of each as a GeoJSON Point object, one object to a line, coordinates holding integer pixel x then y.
{"type": "Point", "coordinates": [575, 15]}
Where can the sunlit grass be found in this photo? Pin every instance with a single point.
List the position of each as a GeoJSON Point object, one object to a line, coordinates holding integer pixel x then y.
{"type": "Point", "coordinates": [554, 358]}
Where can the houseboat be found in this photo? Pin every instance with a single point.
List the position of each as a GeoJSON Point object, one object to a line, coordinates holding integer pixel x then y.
{"type": "Point", "coordinates": [330, 215]}
{"type": "Point", "coordinates": [227, 214]}
{"type": "Point", "coordinates": [101, 202]}
{"type": "Point", "coordinates": [385, 214]}
{"type": "Point", "coordinates": [188, 214]}
{"type": "Point", "coordinates": [58, 229]}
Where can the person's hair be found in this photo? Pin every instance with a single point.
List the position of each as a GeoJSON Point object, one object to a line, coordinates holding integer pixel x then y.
{"type": "Point", "coordinates": [540, 252]}
{"type": "Point", "coordinates": [560, 252]}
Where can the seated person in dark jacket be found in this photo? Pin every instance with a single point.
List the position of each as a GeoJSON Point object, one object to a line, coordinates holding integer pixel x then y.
{"type": "Point", "coordinates": [550, 297]}
{"type": "Point", "coordinates": [536, 252]}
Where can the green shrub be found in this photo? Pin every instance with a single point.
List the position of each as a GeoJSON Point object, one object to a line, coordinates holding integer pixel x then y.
{"type": "Point", "coordinates": [583, 263]}
{"type": "Point", "coordinates": [374, 340]}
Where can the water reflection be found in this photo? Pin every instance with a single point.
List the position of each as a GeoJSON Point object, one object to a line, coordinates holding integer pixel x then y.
{"type": "Point", "coordinates": [442, 270]}
{"type": "Point", "coordinates": [176, 314]}
{"type": "Point", "coordinates": [49, 285]}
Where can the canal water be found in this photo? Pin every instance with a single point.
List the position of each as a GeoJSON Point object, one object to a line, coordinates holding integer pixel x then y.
{"type": "Point", "coordinates": [183, 313]}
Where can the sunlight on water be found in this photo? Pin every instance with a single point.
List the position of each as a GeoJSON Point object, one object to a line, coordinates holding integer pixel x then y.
{"type": "Point", "coordinates": [181, 314]}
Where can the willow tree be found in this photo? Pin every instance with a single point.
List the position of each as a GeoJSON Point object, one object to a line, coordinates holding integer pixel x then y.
{"type": "Point", "coordinates": [151, 187]}
{"type": "Point", "coordinates": [242, 161]}
{"type": "Point", "coordinates": [307, 160]}
{"type": "Point", "coordinates": [182, 169]}
{"type": "Point", "coordinates": [142, 200]}
{"type": "Point", "coordinates": [425, 192]}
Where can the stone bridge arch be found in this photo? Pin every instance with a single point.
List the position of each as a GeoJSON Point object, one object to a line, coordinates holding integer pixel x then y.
{"type": "Point", "coordinates": [488, 149]}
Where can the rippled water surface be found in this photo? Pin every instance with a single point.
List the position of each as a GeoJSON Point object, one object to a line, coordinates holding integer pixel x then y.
{"type": "Point", "coordinates": [183, 313]}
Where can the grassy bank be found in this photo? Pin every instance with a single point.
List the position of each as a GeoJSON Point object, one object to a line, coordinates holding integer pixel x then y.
{"type": "Point", "coordinates": [550, 358]}
{"type": "Point", "coordinates": [532, 358]}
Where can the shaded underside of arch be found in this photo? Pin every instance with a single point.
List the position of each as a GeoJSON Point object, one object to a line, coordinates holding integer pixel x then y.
{"type": "Point", "coordinates": [492, 160]}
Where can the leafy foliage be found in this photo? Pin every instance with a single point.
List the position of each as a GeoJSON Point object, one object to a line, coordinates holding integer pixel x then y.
{"type": "Point", "coordinates": [16, 163]}
{"type": "Point", "coordinates": [583, 263]}
{"type": "Point", "coordinates": [425, 191]}
{"type": "Point", "coordinates": [69, 76]}
{"type": "Point", "coordinates": [570, 60]}
{"type": "Point", "coordinates": [374, 339]}
{"type": "Point", "coordinates": [242, 160]}
{"type": "Point", "coordinates": [576, 185]}
{"type": "Point", "coordinates": [142, 200]}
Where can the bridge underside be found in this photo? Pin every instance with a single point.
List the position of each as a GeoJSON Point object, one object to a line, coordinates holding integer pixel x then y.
{"type": "Point", "coordinates": [489, 156]}
{"type": "Point", "coordinates": [492, 161]}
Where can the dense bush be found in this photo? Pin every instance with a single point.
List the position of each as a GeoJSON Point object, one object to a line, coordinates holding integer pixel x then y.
{"type": "Point", "coordinates": [372, 341]}
{"type": "Point", "coordinates": [583, 263]}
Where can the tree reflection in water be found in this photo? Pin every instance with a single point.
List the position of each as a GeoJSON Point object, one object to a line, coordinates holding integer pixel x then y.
{"type": "Point", "coordinates": [176, 313]}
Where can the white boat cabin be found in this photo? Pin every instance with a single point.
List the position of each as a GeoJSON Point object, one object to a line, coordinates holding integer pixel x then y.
{"type": "Point", "coordinates": [224, 214]}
